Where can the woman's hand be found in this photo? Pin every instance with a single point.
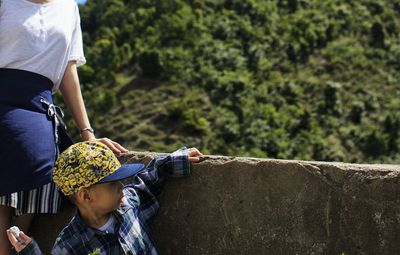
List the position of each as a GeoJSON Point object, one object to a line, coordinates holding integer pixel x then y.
{"type": "Point", "coordinates": [14, 242]}
{"type": "Point", "coordinates": [114, 146]}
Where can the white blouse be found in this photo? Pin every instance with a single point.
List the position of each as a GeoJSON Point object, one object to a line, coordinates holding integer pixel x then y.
{"type": "Point", "coordinates": [40, 38]}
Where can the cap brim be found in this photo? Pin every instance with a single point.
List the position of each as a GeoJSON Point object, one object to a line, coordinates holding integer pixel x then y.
{"type": "Point", "coordinates": [125, 171]}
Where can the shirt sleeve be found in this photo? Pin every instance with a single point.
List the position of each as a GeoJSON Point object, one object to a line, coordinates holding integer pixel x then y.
{"type": "Point", "coordinates": [148, 183]}
{"type": "Point", "coordinates": [76, 51]}
{"type": "Point", "coordinates": [31, 249]}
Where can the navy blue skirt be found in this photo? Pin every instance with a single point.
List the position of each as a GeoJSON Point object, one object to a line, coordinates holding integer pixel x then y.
{"type": "Point", "coordinates": [27, 146]}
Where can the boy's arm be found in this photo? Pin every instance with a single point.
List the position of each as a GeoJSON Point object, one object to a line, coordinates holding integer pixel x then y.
{"type": "Point", "coordinates": [148, 183]}
{"type": "Point", "coordinates": [176, 164]}
{"type": "Point", "coordinates": [31, 249]}
{"type": "Point", "coordinates": [28, 247]}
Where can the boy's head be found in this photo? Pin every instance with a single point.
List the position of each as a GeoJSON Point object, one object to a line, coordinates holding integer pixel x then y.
{"type": "Point", "coordinates": [90, 174]}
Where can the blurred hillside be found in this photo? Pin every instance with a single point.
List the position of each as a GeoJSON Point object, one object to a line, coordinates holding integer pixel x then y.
{"type": "Point", "coordinates": [294, 79]}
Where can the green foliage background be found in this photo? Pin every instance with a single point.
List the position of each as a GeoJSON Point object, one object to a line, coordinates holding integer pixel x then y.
{"type": "Point", "coordinates": [291, 79]}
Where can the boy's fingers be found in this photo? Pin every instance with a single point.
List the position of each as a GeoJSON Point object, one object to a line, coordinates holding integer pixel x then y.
{"type": "Point", "coordinates": [195, 156]}
{"type": "Point", "coordinates": [194, 152]}
{"type": "Point", "coordinates": [11, 238]}
{"type": "Point", "coordinates": [194, 159]}
{"type": "Point", "coordinates": [24, 237]}
{"type": "Point", "coordinates": [14, 242]}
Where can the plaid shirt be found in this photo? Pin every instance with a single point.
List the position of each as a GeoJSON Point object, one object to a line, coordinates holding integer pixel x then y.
{"type": "Point", "coordinates": [138, 206]}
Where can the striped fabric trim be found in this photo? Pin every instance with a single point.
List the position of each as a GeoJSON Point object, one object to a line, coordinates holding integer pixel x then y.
{"type": "Point", "coordinates": [45, 199]}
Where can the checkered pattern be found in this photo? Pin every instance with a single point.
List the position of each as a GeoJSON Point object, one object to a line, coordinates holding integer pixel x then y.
{"type": "Point", "coordinates": [138, 206]}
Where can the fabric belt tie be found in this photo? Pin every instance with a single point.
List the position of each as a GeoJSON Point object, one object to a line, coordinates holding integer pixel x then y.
{"type": "Point", "coordinates": [56, 114]}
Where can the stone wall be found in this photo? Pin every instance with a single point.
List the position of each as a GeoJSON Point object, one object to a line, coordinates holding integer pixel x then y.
{"type": "Point", "coordinates": [255, 206]}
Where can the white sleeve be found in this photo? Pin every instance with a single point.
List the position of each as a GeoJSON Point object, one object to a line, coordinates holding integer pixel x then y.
{"type": "Point", "coordinates": [76, 51]}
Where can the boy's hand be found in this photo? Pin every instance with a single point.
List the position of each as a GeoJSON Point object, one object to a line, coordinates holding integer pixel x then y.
{"type": "Point", "coordinates": [194, 155]}
{"type": "Point", "coordinates": [17, 245]}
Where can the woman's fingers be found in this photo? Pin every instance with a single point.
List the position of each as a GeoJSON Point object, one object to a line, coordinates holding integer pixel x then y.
{"type": "Point", "coordinates": [108, 143]}
{"type": "Point", "coordinates": [119, 147]}
{"type": "Point", "coordinates": [114, 146]}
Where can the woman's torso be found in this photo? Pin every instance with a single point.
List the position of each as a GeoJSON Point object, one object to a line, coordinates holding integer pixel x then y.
{"type": "Point", "coordinates": [39, 37]}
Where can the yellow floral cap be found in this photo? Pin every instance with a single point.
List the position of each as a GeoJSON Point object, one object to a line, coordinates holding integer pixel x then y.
{"type": "Point", "coordinates": [82, 165]}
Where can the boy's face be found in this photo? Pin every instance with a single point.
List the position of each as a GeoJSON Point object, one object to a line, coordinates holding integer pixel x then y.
{"type": "Point", "coordinates": [106, 197]}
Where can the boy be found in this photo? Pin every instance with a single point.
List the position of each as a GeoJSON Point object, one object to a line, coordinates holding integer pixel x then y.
{"type": "Point", "coordinates": [110, 218]}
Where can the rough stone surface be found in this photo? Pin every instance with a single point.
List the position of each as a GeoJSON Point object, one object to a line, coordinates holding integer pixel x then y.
{"type": "Point", "coordinates": [255, 206]}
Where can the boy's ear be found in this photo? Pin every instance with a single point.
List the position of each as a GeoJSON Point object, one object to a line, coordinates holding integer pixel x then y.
{"type": "Point", "coordinates": [83, 195]}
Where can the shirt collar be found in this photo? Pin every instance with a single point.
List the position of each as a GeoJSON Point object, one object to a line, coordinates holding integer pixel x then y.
{"type": "Point", "coordinates": [88, 232]}
{"type": "Point", "coordinates": [124, 207]}
{"type": "Point", "coordinates": [80, 226]}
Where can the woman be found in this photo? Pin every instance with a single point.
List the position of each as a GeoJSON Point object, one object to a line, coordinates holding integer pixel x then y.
{"type": "Point", "coordinates": [40, 49]}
